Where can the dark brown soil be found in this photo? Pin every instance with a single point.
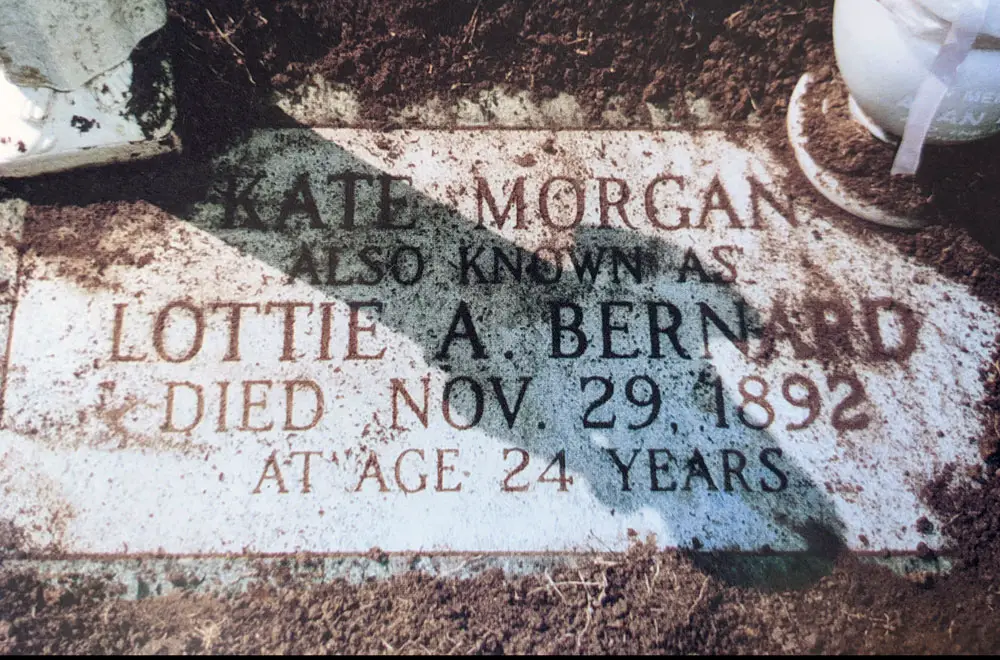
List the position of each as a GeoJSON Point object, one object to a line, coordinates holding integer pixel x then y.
{"type": "Point", "coordinates": [230, 55]}
{"type": "Point", "coordinates": [952, 183]}
{"type": "Point", "coordinates": [86, 242]}
{"type": "Point", "coordinates": [744, 56]}
{"type": "Point", "coordinates": [642, 602]}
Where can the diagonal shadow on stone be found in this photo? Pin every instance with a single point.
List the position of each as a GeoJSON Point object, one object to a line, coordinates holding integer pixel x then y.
{"type": "Point", "coordinates": [513, 317]}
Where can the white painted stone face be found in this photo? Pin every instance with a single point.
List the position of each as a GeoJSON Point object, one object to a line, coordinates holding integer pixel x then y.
{"type": "Point", "coordinates": [484, 341]}
{"type": "Point", "coordinates": [63, 44]}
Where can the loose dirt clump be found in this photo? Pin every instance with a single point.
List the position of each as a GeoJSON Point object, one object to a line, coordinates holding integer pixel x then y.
{"type": "Point", "coordinates": [85, 242]}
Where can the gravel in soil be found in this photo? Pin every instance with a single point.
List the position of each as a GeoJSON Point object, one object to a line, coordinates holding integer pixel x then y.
{"type": "Point", "coordinates": [745, 57]}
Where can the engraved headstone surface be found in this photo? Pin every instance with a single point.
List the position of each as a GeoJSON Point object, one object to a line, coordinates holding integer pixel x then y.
{"type": "Point", "coordinates": [481, 341]}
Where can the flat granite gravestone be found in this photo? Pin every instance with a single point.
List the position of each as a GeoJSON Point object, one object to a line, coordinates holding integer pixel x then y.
{"type": "Point", "coordinates": [481, 341]}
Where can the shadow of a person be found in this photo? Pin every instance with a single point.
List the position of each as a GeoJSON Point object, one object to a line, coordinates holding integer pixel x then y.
{"type": "Point", "coordinates": [641, 422]}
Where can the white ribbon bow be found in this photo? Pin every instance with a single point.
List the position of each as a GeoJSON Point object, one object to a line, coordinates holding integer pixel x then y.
{"type": "Point", "coordinates": [944, 69]}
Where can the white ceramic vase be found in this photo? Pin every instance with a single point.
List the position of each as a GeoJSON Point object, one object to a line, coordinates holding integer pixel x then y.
{"type": "Point", "coordinates": [885, 49]}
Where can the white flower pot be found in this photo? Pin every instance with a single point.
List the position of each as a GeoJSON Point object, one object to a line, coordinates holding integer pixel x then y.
{"type": "Point", "coordinates": [885, 49]}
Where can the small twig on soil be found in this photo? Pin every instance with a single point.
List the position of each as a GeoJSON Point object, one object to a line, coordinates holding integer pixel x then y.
{"type": "Point", "coordinates": [453, 648]}
{"type": "Point", "coordinates": [586, 626]}
{"type": "Point", "coordinates": [460, 567]}
{"type": "Point", "coordinates": [887, 626]}
{"type": "Point", "coordinates": [575, 583]}
{"type": "Point", "coordinates": [470, 29]}
{"type": "Point", "coordinates": [695, 42]}
{"type": "Point", "coordinates": [604, 589]}
{"type": "Point", "coordinates": [605, 562]}
{"type": "Point", "coordinates": [225, 37]}
{"type": "Point", "coordinates": [549, 578]}
{"type": "Point", "coordinates": [697, 601]}
{"type": "Point", "coordinates": [209, 634]}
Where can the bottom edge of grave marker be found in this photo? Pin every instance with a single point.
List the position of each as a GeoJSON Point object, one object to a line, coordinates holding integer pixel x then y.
{"type": "Point", "coordinates": [133, 578]}
{"type": "Point", "coordinates": [456, 554]}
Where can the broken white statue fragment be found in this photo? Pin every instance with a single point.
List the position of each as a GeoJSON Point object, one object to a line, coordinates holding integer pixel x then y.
{"type": "Point", "coordinates": [66, 85]}
{"type": "Point", "coordinates": [65, 43]}
{"type": "Point", "coordinates": [43, 131]}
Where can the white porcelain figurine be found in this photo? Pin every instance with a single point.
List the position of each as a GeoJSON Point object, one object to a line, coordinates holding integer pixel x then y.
{"type": "Point", "coordinates": [66, 85]}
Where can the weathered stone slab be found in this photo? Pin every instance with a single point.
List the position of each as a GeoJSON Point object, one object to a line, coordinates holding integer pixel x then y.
{"type": "Point", "coordinates": [482, 341]}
